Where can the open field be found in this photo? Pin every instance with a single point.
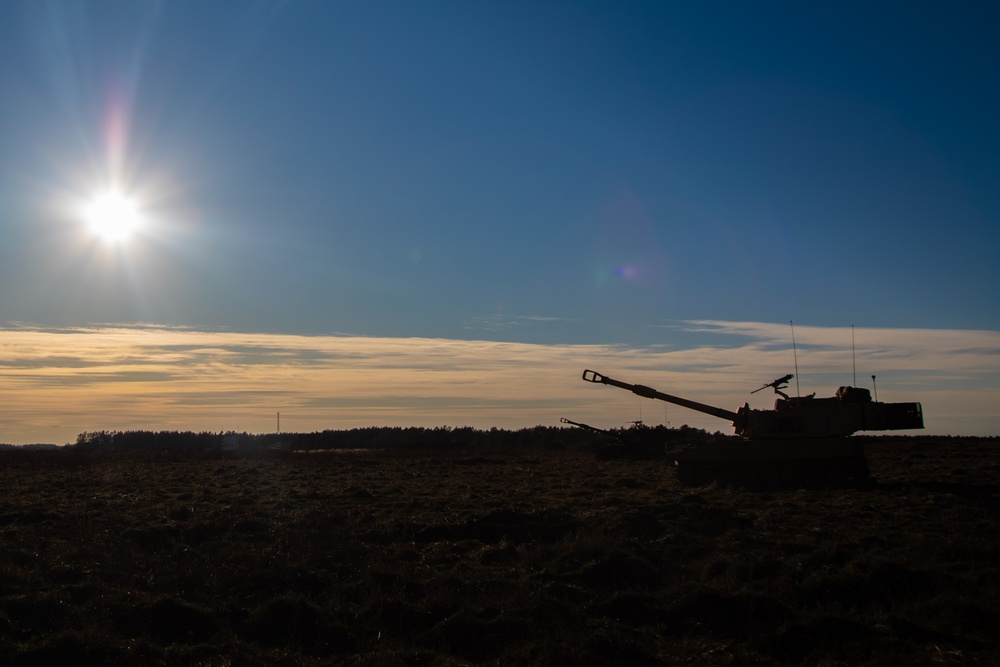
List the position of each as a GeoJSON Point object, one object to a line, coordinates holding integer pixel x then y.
{"type": "Point", "coordinates": [493, 557]}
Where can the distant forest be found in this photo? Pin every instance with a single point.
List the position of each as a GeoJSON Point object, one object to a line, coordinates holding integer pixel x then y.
{"type": "Point", "coordinates": [414, 437]}
{"type": "Point", "coordinates": [380, 437]}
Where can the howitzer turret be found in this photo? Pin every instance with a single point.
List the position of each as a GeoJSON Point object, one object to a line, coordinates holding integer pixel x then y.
{"type": "Point", "coordinates": [800, 438]}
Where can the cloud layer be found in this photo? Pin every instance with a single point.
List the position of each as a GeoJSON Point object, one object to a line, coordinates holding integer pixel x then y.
{"type": "Point", "coordinates": [55, 384]}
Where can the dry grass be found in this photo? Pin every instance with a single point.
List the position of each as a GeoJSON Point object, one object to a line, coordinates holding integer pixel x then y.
{"type": "Point", "coordinates": [493, 558]}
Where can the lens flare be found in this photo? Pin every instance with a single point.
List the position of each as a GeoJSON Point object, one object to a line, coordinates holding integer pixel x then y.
{"type": "Point", "coordinates": [626, 271]}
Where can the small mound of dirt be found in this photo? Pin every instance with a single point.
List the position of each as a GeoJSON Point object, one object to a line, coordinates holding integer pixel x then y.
{"type": "Point", "coordinates": [173, 621]}
{"type": "Point", "coordinates": [499, 525]}
{"type": "Point", "coordinates": [617, 572]}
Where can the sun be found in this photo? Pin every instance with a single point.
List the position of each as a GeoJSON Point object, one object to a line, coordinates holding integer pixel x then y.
{"type": "Point", "coordinates": [113, 216]}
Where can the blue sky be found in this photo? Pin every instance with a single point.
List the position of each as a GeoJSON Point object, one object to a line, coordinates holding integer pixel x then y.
{"type": "Point", "coordinates": [539, 173]}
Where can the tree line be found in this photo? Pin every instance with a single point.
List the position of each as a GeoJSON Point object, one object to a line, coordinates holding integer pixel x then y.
{"type": "Point", "coordinates": [379, 437]}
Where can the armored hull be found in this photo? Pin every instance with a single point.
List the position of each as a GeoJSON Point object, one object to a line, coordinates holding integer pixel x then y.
{"type": "Point", "coordinates": [774, 464]}
{"type": "Point", "coordinates": [635, 451]}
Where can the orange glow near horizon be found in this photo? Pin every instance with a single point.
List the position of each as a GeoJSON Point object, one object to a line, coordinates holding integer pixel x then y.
{"type": "Point", "coordinates": [59, 383]}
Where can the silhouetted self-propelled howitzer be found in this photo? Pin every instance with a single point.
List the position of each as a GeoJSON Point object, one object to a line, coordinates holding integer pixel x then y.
{"type": "Point", "coordinates": [800, 442]}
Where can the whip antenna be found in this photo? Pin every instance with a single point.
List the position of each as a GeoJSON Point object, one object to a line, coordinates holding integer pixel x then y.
{"type": "Point", "coordinates": [795, 356]}
{"type": "Point", "coordinates": [854, 360]}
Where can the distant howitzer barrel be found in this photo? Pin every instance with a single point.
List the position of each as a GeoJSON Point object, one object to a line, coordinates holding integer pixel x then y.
{"type": "Point", "coordinates": [649, 392]}
{"type": "Point", "coordinates": [585, 426]}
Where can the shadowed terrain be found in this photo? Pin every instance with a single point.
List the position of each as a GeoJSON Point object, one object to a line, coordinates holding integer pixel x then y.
{"type": "Point", "coordinates": [493, 557]}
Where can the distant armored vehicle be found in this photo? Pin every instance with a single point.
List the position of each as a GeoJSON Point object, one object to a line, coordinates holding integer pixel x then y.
{"type": "Point", "coordinates": [802, 441]}
{"type": "Point", "coordinates": [634, 443]}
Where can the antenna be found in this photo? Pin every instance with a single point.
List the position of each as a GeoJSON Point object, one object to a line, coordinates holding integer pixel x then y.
{"type": "Point", "coordinates": [279, 423]}
{"type": "Point", "coordinates": [875, 387]}
{"type": "Point", "coordinates": [854, 361]}
{"type": "Point", "coordinates": [795, 356]}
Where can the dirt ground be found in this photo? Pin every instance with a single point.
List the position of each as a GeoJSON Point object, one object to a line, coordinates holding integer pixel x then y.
{"type": "Point", "coordinates": [494, 557]}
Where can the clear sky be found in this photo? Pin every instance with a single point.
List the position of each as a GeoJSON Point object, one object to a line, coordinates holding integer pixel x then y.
{"type": "Point", "coordinates": [327, 190]}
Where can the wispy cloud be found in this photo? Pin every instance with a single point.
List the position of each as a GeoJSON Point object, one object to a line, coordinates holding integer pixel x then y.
{"type": "Point", "coordinates": [57, 383]}
{"type": "Point", "coordinates": [503, 322]}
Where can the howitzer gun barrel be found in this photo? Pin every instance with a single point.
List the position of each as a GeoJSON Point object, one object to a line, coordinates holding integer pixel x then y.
{"type": "Point", "coordinates": [585, 426]}
{"type": "Point", "coordinates": [649, 392]}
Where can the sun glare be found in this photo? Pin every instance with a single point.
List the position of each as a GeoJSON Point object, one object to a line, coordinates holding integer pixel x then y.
{"type": "Point", "coordinates": [112, 216]}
